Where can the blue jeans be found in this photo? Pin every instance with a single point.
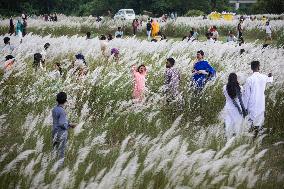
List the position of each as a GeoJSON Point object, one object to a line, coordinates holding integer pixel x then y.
{"type": "Point", "coordinates": [59, 140]}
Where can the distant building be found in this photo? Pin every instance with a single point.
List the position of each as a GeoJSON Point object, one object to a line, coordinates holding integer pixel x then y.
{"type": "Point", "coordinates": [238, 2]}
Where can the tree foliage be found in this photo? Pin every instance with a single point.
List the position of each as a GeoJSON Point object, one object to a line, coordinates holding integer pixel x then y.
{"type": "Point", "coordinates": [100, 7]}
{"type": "Point", "coordinates": [269, 6]}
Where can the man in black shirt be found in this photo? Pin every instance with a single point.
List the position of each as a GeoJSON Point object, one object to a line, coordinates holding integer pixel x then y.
{"type": "Point", "coordinates": [240, 31]}
{"type": "Point", "coordinates": [149, 28]}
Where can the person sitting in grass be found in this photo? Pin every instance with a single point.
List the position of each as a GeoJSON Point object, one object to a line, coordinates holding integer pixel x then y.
{"type": "Point", "coordinates": [215, 34]}
{"type": "Point", "coordinates": [231, 37]}
{"type": "Point", "coordinates": [209, 37]}
{"type": "Point", "coordinates": [172, 81]}
{"type": "Point", "coordinates": [159, 37]}
{"type": "Point", "coordinates": [109, 37]}
{"type": "Point", "coordinates": [19, 30]}
{"type": "Point", "coordinates": [202, 71]}
{"type": "Point", "coordinates": [60, 127]}
{"type": "Point", "coordinates": [139, 77]}
{"type": "Point", "coordinates": [194, 33]}
{"type": "Point", "coordinates": [118, 33]}
{"type": "Point", "coordinates": [115, 53]}
{"type": "Point", "coordinates": [191, 37]}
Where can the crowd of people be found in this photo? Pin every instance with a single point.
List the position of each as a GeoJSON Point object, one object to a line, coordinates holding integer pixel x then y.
{"type": "Point", "coordinates": [50, 17]}
{"type": "Point", "coordinates": [242, 103]}
{"type": "Point", "coordinates": [21, 27]}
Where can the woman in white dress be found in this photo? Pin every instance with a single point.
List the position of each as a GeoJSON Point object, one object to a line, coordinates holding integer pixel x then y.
{"type": "Point", "coordinates": [234, 107]}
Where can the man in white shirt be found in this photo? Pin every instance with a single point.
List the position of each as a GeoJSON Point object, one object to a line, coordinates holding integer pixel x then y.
{"type": "Point", "coordinates": [7, 49]}
{"type": "Point", "coordinates": [254, 98]}
{"type": "Point", "coordinates": [118, 33]}
{"type": "Point", "coordinates": [43, 54]}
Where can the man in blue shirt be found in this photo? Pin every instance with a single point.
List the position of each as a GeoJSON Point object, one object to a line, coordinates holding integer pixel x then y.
{"type": "Point", "coordinates": [60, 126]}
{"type": "Point", "coordinates": [202, 71]}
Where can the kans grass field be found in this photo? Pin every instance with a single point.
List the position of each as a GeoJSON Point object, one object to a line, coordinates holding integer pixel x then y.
{"type": "Point", "coordinates": [121, 144]}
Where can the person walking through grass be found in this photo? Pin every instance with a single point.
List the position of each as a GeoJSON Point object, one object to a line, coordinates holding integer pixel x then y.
{"type": "Point", "coordinates": [139, 77]}
{"type": "Point", "coordinates": [240, 29]}
{"type": "Point", "coordinates": [104, 45]}
{"type": "Point", "coordinates": [60, 127]}
{"type": "Point", "coordinates": [19, 30]}
{"type": "Point", "coordinates": [254, 97]}
{"type": "Point", "coordinates": [202, 71]}
{"type": "Point", "coordinates": [172, 81]}
{"type": "Point", "coordinates": [268, 31]}
{"type": "Point", "coordinates": [234, 108]}
{"type": "Point", "coordinates": [135, 25]}
{"type": "Point", "coordinates": [155, 28]}
{"type": "Point", "coordinates": [11, 27]}
{"type": "Point", "coordinates": [8, 48]}
{"type": "Point", "coordinates": [148, 29]}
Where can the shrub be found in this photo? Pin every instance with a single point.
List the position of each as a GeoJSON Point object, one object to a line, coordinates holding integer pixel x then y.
{"type": "Point", "coordinates": [194, 12]}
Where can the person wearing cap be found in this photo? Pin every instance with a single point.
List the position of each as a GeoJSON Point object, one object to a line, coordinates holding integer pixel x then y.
{"type": "Point", "coordinates": [60, 127]}
{"type": "Point", "coordinates": [202, 71]}
{"type": "Point", "coordinates": [172, 80]}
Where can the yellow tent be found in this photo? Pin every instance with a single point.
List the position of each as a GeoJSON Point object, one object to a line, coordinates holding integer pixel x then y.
{"type": "Point", "coordinates": [228, 16]}
{"type": "Point", "coordinates": [215, 16]}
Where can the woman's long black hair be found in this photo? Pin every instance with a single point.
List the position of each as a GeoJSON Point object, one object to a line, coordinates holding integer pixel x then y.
{"type": "Point", "coordinates": [233, 86]}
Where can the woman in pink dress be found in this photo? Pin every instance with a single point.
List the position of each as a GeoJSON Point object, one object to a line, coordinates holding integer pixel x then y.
{"type": "Point", "coordinates": [139, 76]}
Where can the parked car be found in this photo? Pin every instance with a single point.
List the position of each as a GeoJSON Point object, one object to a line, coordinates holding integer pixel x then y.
{"type": "Point", "coordinates": [125, 14]}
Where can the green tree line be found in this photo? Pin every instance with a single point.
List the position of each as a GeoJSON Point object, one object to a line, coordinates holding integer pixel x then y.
{"type": "Point", "coordinates": [100, 7]}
